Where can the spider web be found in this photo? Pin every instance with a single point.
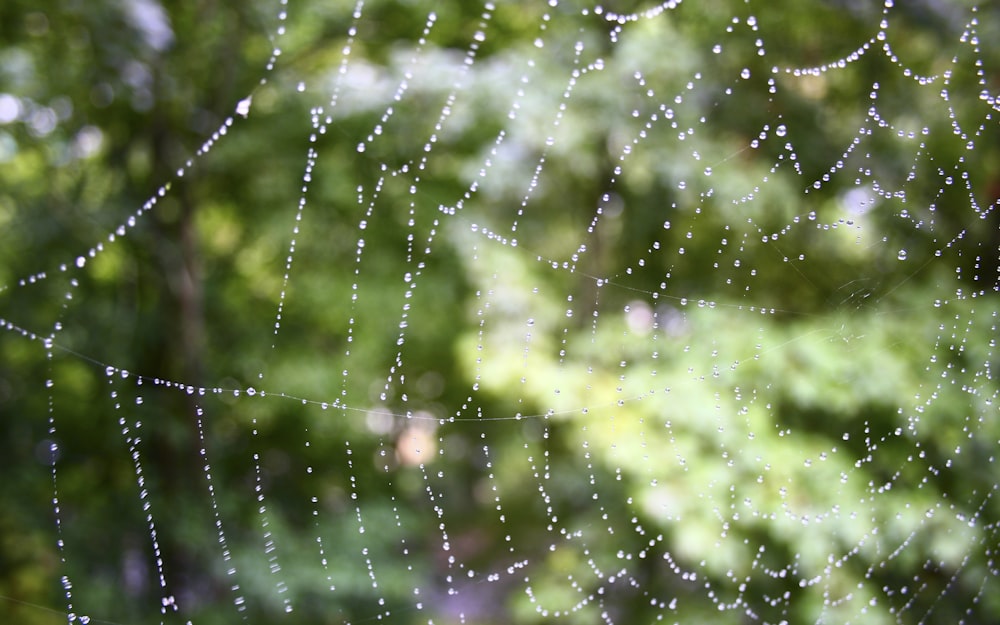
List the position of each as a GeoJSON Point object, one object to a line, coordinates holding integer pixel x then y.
{"type": "Point", "coordinates": [560, 314]}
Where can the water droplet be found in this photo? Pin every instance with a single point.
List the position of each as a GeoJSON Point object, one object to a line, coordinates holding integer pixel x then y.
{"type": "Point", "coordinates": [745, 74]}
{"type": "Point", "coordinates": [251, 391]}
{"type": "Point", "coordinates": [780, 130]}
{"type": "Point", "coordinates": [243, 107]}
{"type": "Point", "coordinates": [901, 255]}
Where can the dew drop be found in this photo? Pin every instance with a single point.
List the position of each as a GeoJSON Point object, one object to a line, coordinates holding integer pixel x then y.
{"type": "Point", "coordinates": [901, 255]}
{"type": "Point", "coordinates": [243, 107]}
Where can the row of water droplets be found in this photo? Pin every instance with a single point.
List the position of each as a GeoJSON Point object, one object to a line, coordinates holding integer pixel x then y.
{"type": "Point", "coordinates": [129, 430]}
{"type": "Point", "coordinates": [780, 131]}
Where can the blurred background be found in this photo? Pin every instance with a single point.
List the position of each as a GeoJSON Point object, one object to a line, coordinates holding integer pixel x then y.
{"type": "Point", "coordinates": [512, 312]}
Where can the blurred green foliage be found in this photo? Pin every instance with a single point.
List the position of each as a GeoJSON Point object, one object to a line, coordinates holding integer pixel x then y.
{"type": "Point", "coordinates": [729, 389]}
